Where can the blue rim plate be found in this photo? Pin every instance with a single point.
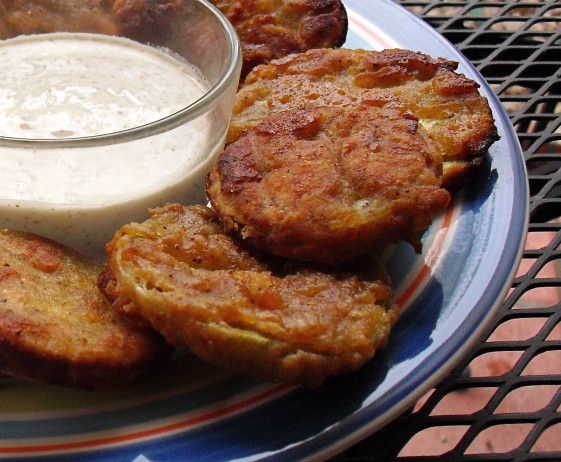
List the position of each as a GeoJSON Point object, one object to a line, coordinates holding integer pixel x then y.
{"type": "Point", "coordinates": [194, 412]}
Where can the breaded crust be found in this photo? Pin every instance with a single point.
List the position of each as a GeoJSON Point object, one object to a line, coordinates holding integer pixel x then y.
{"type": "Point", "coordinates": [56, 326]}
{"type": "Point", "coordinates": [270, 29]}
{"type": "Point", "coordinates": [448, 105]}
{"type": "Point", "coordinates": [236, 308]}
{"type": "Point", "coordinates": [324, 184]}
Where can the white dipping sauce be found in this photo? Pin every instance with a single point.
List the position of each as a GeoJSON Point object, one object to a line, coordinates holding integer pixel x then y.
{"type": "Point", "coordinates": [74, 85]}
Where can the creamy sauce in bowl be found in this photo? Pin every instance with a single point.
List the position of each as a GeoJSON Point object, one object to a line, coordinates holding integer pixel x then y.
{"type": "Point", "coordinates": [69, 85]}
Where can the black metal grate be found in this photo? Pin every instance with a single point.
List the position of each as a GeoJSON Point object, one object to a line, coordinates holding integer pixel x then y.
{"type": "Point", "coordinates": [516, 45]}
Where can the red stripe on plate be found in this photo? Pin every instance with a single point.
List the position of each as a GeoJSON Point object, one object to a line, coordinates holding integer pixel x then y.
{"type": "Point", "coordinates": [434, 251]}
{"type": "Point", "coordinates": [143, 434]}
{"type": "Point", "coordinates": [365, 27]}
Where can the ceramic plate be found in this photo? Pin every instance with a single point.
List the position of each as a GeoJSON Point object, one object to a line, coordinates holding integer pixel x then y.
{"type": "Point", "coordinates": [195, 412]}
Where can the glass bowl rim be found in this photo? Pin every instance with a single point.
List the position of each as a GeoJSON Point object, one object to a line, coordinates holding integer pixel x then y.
{"type": "Point", "coordinates": [190, 112]}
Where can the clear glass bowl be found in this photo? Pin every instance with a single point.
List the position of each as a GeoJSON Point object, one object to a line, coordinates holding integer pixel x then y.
{"type": "Point", "coordinates": [80, 210]}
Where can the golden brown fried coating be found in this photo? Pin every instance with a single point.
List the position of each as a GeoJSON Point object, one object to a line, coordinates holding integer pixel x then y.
{"type": "Point", "coordinates": [236, 308]}
{"type": "Point", "coordinates": [325, 184]}
{"type": "Point", "coordinates": [448, 105]}
{"type": "Point", "coordinates": [56, 326]}
{"type": "Point", "coordinates": [270, 29]}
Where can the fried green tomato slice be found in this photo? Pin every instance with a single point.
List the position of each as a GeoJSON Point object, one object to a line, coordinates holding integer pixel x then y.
{"type": "Point", "coordinates": [325, 185]}
{"type": "Point", "coordinates": [56, 326]}
{"type": "Point", "coordinates": [447, 104]}
{"type": "Point", "coordinates": [233, 307]}
{"type": "Point", "coordinates": [270, 29]}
